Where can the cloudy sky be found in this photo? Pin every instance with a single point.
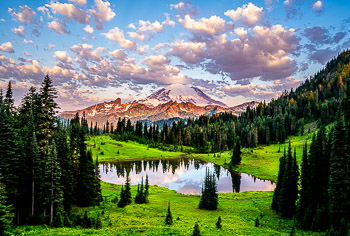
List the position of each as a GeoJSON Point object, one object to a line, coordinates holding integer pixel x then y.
{"type": "Point", "coordinates": [235, 51]}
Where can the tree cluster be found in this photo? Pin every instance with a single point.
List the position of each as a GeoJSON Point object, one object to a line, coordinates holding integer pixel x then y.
{"type": "Point", "coordinates": [44, 164]}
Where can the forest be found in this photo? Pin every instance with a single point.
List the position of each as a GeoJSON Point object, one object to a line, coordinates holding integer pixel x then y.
{"type": "Point", "coordinates": [48, 170]}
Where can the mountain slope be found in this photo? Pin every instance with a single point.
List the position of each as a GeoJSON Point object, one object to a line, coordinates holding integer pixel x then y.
{"type": "Point", "coordinates": [180, 93]}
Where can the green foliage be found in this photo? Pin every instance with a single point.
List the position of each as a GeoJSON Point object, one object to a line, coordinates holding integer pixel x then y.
{"type": "Point", "coordinates": [125, 194]}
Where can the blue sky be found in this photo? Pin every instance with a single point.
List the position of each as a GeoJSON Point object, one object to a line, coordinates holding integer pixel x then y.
{"type": "Point", "coordinates": [235, 51]}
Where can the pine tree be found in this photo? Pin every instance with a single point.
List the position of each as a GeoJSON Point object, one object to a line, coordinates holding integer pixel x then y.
{"type": "Point", "coordinates": [303, 201]}
{"type": "Point", "coordinates": [196, 231]}
{"type": "Point", "coordinates": [140, 195]}
{"type": "Point", "coordinates": [218, 223]}
{"type": "Point", "coordinates": [146, 190]}
{"type": "Point", "coordinates": [276, 193]}
{"type": "Point", "coordinates": [169, 218]}
{"type": "Point", "coordinates": [10, 153]}
{"type": "Point", "coordinates": [125, 194]}
{"type": "Point", "coordinates": [339, 181]}
{"type": "Point", "coordinates": [209, 197]}
{"type": "Point", "coordinates": [6, 216]}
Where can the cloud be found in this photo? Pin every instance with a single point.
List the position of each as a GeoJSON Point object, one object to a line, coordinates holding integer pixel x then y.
{"type": "Point", "coordinates": [250, 91]}
{"type": "Point", "coordinates": [168, 21]}
{"type": "Point", "coordinates": [102, 13]}
{"type": "Point", "coordinates": [46, 11]}
{"type": "Point", "coordinates": [69, 11]}
{"type": "Point", "coordinates": [318, 8]}
{"type": "Point", "coordinates": [146, 29]}
{"type": "Point", "coordinates": [320, 35]}
{"type": "Point", "coordinates": [30, 42]}
{"type": "Point", "coordinates": [118, 35]}
{"type": "Point", "coordinates": [264, 54]}
{"type": "Point", "coordinates": [58, 26]}
{"type": "Point", "coordinates": [241, 32]}
{"type": "Point", "coordinates": [119, 54]}
{"type": "Point", "coordinates": [51, 46]}
{"type": "Point", "coordinates": [19, 31]}
{"type": "Point", "coordinates": [85, 51]}
{"type": "Point", "coordinates": [79, 2]}
{"type": "Point", "coordinates": [185, 8]}
{"type": "Point", "coordinates": [7, 47]}
{"type": "Point", "coordinates": [88, 29]}
{"type": "Point", "coordinates": [25, 14]}
{"type": "Point", "coordinates": [293, 8]}
{"type": "Point", "coordinates": [62, 56]}
{"type": "Point", "coordinates": [205, 26]}
{"type": "Point", "coordinates": [27, 54]}
{"type": "Point", "coordinates": [248, 15]}
{"type": "Point", "coordinates": [321, 56]}
{"type": "Point", "coordinates": [189, 52]}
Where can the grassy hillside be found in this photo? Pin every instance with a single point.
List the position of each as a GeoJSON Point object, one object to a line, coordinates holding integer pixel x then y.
{"type": "Point", "coordinates": [238, 212]}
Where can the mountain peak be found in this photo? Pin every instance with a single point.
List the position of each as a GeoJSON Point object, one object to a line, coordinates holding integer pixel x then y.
{"type": "Point", "coordinates": [180, 93]}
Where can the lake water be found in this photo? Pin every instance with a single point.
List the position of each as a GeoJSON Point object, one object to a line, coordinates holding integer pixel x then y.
{"type": "Point", "coordinates": [182, 175]}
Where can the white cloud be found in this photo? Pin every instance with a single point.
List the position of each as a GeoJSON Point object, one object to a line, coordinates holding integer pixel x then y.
{"type": "Point", "coordinates": [19, 31]}
{"type": "Point", "coordinates": [132, 26]}
{"type": "Point", "coordinates": [241, 32]}
{"type": "Point", "coordinates": [46, 11]}
{"type": "Point", "coordinates": [118, 35]}
{"type": "Point", "coordinates": [7, 47]}
{"type": "Point", "coordinates": [189, 52]}
{"type": "Point", "coordinates": [51, 46]}
{"type": "Point", "coordinates": [168, 21]}
{"type": "Point", "coordinates": [58, 26]}
{"type": "Point", "coordinates": [85, 51]}
{"type": "Point", "coordinates": [136, 35]}
{"type": "Point", "coordinates": [249, 14]}
{"type": "Point", "coordinates": [102, 13]}
{"type": "Point", "coordinates": [88, 29]}
{"type": "Point", "coordinates": [185, 8]}
{"type": "Point", "coordinates": [79, 2]}
{"type": "Point", "coordinates": [69, 11]}
{"type": "Point", "coordinates": [318, 7]}
{"type": "Point", "coordinates": [212, 25]}
{"type": "Point", "coordinates": [24, 15]}
{"type": "Point", "coordinates": [119, 54]}
{"type": "Point", "coordinates": [27, 54]}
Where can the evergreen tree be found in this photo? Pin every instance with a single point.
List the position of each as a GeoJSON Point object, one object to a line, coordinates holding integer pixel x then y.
{"type": "Point", "coordinates": [209, 197]}
{"type": "Point", "coordinates": [10, 164]}
{"type": "Point", "coordinates": [339, 180]}
{"type": "Point", "coordinates": [169, 218]}
{"type": "Point", "coordinates": [218, 223]}
{"type": "Point", "coordinates": [146, 190]}
{"type": "Point", "coordinates": [5, 211]}
{"type": "Point", "coordinates": [276, 193]}
{"type": "Point", "coordinates": [303, 201]}
{"type": "Point", "coordinates": [140, 195]}
{"type": "Point", "coordinates": [125, 194]}
{"type": "Point", "coordinates": [196, 231]}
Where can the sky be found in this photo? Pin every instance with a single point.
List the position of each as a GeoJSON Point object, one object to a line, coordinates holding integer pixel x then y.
{"type": "Point", "coordinates": [234, 51]}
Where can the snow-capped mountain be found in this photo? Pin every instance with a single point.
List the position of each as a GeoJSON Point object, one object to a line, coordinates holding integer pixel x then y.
{"type": "Point", "coordinates": [174, 101]}
{"type": "Point", "coordinates": [180, 93]}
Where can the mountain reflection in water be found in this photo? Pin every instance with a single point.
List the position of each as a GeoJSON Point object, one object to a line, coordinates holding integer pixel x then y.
{"type": "Point", "coordinates": [182, 175]}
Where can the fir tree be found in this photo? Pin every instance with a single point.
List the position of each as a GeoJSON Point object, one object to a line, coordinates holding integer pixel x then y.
{"type": "Point", "coordinates": [125, 194]}
{"type": "Point", "coordinates": [339, 181]}
{"type": "Point", "coordinates": [5, 211]}
{"type": "Point", "coordinates": [196, 231]}
{"type": "Point", "coordinates": [146, 190]}
{"type": "Point", "coordinates": [303, 201]}
{"type": "Point", "coordinates": [169, 218]}
{"type": "Point", "coordinates": [209, 197]}
{"type": "Point", "coordinates": [218, 223]}
{"type": "Point", "coordinates": [276, 193]}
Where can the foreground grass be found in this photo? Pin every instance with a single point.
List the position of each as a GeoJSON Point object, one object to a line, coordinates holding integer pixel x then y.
{"type": "Point", "coordinates": [238, 212]}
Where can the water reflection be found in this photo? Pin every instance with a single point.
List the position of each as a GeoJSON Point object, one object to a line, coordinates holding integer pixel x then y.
{"type": "Point", "coordinates": [182, 175]}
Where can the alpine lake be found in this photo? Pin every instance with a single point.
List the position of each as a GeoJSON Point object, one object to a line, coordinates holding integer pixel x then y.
{"type": "Point", "coordinates": [184, 175]}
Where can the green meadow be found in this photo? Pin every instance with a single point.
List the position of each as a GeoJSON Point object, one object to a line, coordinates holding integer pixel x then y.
{"type": "Point", "coordinates": [238, 211]}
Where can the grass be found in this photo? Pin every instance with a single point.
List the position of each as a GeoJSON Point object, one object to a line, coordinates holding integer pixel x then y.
{"type": "Point", "coordinates": [238, 212]}
{"type": "Point", "coordinates": [108, 150]}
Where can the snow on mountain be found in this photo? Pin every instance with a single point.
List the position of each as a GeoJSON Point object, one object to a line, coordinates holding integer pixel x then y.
{"type": "Point", "coordinates": [180, 93]}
